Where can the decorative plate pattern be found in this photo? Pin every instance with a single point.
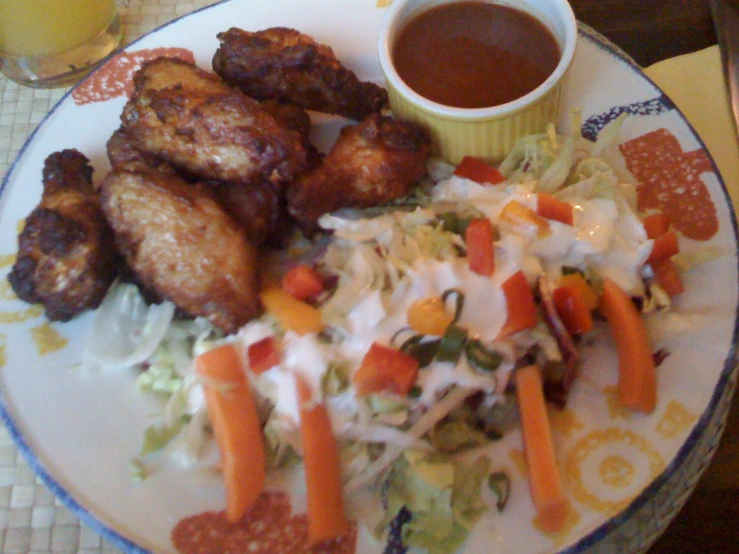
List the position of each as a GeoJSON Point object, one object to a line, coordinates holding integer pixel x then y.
{"type": "Point", "coordinates": [626, 474]}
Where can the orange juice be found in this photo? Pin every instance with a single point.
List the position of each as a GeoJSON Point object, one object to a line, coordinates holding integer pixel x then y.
{"type": "Point", "coordinates": [51, 43]}
{"type": "Point", "coordinates": [42, 27]}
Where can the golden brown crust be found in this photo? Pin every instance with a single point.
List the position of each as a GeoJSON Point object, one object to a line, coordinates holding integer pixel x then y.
{"type": "Point", "coordinates": [66, 256]}
{"type": "Point", "coordinates": [124, 157]}
{"type": "Point", "coordinates": [189, 118]}
{"type": "Point", "coordinates": [181, 244]}
{"type": "Point", "coordinates": [259, 208]}
{"type": "Point", "coordinates": [289, 66]}
{"type": "Point", "coordinates": [373, 162]}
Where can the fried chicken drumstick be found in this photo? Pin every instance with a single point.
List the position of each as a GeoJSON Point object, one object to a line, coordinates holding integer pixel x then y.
{"type": "Point", "coordinates": [189, 118]}
{"type": "Point", "coordinates": [182, 245]}
{"type": "Point", "coordinates": [66, 256]}
{"type": "Point", "coordinates": [286, 65]}
{"type": "Point", "coordinates": [372, 163]}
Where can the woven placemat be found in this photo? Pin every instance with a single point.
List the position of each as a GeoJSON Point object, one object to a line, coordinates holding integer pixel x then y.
{"type": "Point", "coordinates": [32, 520]}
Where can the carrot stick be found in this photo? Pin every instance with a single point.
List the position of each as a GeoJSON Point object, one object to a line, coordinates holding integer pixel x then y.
{"type": "Point", "coordinates": [637, 378]}
{"type": "Point", "coordinates": [578, 283]}
{"type": "Point", "coordinates": [326, 516]}
{"type": "Point", "coordinates": [545, 484]}
{"type": "Point", "coordinates": [572, 310]}
{"type": "Point", "coordinates": [233, 415]}
{"type": "Point", "coordinates": [549, 207]}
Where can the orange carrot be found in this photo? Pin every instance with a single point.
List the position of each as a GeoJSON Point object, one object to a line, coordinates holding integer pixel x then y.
{"type": "Point", "coordinates": [656, 224]}
{"type": "Point", "coordinates": [545, 484]}
{"type": "Point", "coordinates": [668, 277]}
{"type": "Point", "coordinates": [553, 208]}
{"type": "Point", "coordinates": [291, 313]}
{"type": "Point", "coordinates": [479, 171]}
{"type": "Point", "coordinates": [520, 304]}
{"type": "Point", "coordinates": [637, 378]}
{"type": "Point", "coordinates": [303, 282]}
{"type": "Point", "coordinates": [577, 282]}
{"type": "Point", "coordinates": [665, 246]}
{"type": "Point", "coordinates": [235, 421]}
{"type": "Point", "coordinates": [326, 515]}
{"type": "Point", "coordinates": [263, 355]}
{"type": "Point", "coordinates": [385, 369]}
{"type": "Point", "coordinates": [572, 310]}
{"type": "Point", "coordinates": [479, 237]}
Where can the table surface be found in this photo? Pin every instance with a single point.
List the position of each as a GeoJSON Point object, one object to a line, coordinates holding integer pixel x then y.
{"type": "Point", "coordinates": [648, 30]}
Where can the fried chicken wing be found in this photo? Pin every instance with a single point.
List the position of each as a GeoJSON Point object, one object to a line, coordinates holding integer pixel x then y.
{"type": "Point", "coordinates": [182, 245]}
{"type": "Point", "coordinates": [185, 116]}
{"type": "Point", "coordinates": [259, 208]}
{"type": "Point", "coordinates": [124, 157]}
{"type": "Point", "coordinates": [296, 119]}
{"type": "Point", "coordinates": [287, 65]}
{"type": "Point", "coordinates": [373, 162]}
{"type": "Point", "coordinates": [66, 255]}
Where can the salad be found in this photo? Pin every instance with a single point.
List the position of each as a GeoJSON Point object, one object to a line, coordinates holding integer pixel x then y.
{"type": "Point", "coordinates": [412, 337]}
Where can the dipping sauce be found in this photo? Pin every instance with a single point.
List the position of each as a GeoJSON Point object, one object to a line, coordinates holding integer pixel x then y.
{"type": "Point", "coordinates": [474, 54]}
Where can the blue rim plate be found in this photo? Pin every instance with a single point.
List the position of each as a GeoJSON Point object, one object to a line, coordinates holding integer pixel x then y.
{"type": "Point", "coordinates": [79, 430]}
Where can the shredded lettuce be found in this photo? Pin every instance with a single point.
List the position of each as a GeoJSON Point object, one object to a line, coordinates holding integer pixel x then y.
{"type": "Point", "coordinates": [442, 495]}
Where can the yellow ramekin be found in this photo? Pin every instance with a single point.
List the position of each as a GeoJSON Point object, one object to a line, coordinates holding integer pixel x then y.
{"type": "Point", "coordinates": [488, 133]}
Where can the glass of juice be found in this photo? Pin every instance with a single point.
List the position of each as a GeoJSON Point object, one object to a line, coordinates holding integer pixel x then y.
{"type": "Point", "coordinates": [52, 43]}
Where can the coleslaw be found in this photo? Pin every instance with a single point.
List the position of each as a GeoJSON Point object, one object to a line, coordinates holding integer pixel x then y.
{"type": "Point", "coordinates": [424, 452]}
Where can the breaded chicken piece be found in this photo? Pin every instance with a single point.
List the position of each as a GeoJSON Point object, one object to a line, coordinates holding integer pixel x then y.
{"type": "Point", "coordinates": [182, 245]}
{"type": "Point", "coordinates": [124, 157]}
{"type": "Point", "coordinates": [287, 65]}
{"type": "Point", "coordinates": [259, 208]}
{"type": "Point", "coordinates": [66, 254]}
{"type": "Point", "coordinates": [185, 116]}
{"type": "Point", "coordinates": [371, 163]}
{"type": "Point", "coordinates": [296, 119]}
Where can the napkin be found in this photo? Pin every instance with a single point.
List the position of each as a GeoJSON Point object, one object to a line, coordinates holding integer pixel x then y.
{"type": "Point", "coordinates": [695, 83]}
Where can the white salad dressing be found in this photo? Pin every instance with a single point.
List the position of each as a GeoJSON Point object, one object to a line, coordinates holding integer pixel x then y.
{"type": "Point", "coordinates": [606, 235]}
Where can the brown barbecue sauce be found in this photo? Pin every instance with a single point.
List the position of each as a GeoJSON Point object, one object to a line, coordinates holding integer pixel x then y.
{"type": "Point", "coordinates": [473, 54]}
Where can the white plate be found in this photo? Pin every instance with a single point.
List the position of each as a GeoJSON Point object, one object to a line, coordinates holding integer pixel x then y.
{"type": "Point", "coordinates": [80, 430]}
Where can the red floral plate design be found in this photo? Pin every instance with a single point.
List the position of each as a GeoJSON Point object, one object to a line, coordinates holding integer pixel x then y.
{"type": "Point", "coordinates": [625, 474]}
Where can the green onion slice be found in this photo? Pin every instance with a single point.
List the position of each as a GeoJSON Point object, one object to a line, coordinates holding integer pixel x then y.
{"type": "Point", "coordinates": [482, 357]}
{"type": "Point", "coordinates": [458, 302]}
{"type": "Point", "coordinates": [424, 352]}
{"type": "Point", "coordinates": [452, 344]}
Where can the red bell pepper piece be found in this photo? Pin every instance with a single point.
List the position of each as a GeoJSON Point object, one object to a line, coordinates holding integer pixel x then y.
{"type": "Point", "coordinates": [479, 237]}
{"type": "Point", "coordinates": [479, 171]}
{"type": "Point", "coordinates": [303, 282]}
{"type": "Point", "coordinates": [553, 208]}
{"type": "Point", "coordinates": [521, 305]}
{"type": "Point", "coordinates": [263, 354]}
{"type": "Point", "coordinates": [385, 369]}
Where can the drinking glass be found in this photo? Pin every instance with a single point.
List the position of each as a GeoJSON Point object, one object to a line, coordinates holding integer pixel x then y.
{"type": "Point", "coordinates": [50, 43]}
